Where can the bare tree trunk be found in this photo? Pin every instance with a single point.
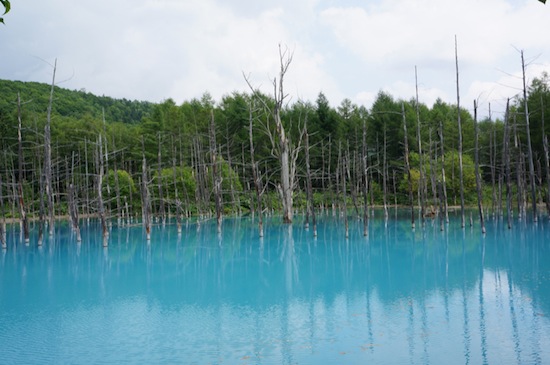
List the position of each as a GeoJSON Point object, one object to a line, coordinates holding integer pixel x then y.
{"type": "Point", "coordinates": [407, 164]}
{"type": "Point", "coordinates": [329, 176]}
{"type": "Point", "coordinates": [421, 182]}
{"type": "Point", "coordinates": [366, 181]}
{"type": "Point", "coordinates": [434, 205]}
{"type": "Point", "coordinates": [119, 209]}
{"type": "Point", "coordinates": [459, 121]}
{"type": "Point", "coordinates": [3, 241]}
{"type": "Point", "coordinates": [443, 177]}
{"type": "Point", "coordinates": [99, 187]}
{"type": "Point", "coordinates": [73, 208]}
{"type": "Point", "coordinates": [48, 159]}
{"type": "Point", "coordinates": [235, 200]}
{"type": "Point", "coordinates": [546, 157]}
{"type": "Point", "coordinates": [343, 172]}
{"type": "Point", "coordinates": [529, 149]}
{"type": "Point", "coordinates": [145, 201]}
{"type": "Point", "coordinates": [216, 179]}
{"type": "Point", "coordinates": [286, 186]}
{"type": "Point", "coordinates": [310, 210]}
{"type": "Point", "coordinates": [492, 162]}
{"type": "Point", "coordinates": [162, 210]}
{"type": "Point", "coordinates": [506, 159]}
{"type": "Point", "coordinates": [352, 180]}
{"type": "Point", "coordinates": [478, 178]}
{"type": "Point", "coordinates": [176, 196]}
{"type": "Point", "coordinates": [22, 212]}
{"type": "Point", "coordinates": [255, 174]}
{"type": "Point", "coordinates": [42, 206]}
{"type": "Point", "coordinates": [385, 174]}
{"type": "Point", "coordinates": [519, 172]}
{"type": "Point", "coordinates": [86, 177]}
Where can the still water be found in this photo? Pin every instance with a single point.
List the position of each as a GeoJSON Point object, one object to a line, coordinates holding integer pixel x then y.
{"type": "Point", "coordinates": [397, 297]}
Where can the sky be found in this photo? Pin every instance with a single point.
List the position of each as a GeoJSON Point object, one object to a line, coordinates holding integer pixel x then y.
{"type": "Point", "coordinates": [347, 49]}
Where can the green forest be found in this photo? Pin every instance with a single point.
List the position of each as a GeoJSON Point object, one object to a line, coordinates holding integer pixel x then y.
{"type": "Point", "coordinates": [205, 157]}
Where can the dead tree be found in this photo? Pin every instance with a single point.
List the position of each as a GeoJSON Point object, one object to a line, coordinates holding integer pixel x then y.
{"type": "Point", "coordinates": [459, 122]}
{"type": "Point", "coordinates": [48, 159]}
{"type": "Point", "coordinates": [343, 165]}
{"type": "Point", "coordinates": [443, 177]}
{"type": "Point", "coordinates": [529, 149]}
{"type": "Point", "coordinates": [433, 182]}
{"type": "Point", "coordinates": [407, 164]}
{"type": "Point", "coordinates": [73, 208]}
{"type": "Point", "coordinates": [283, 146]}
{"type": "Point", "coordinates": [310, 210]}
{"type": "Point", "coordinates": [162, 212]}
{"type": "Point", "coordinates": [421, 181]}
{"type": "Point", "coordinates": [145, 200]}
{"type": "Point", "coordinates": [176, 197]}
{"type": "Point", "coordinates": [478, 178]}
{"type": "Point", "coordinates": [3, 237]}
{"type": "Point", "coordinates": [99, 189]}
{"type": "Point", "coordinates": [119, 209]}
{"type": "Point", "coordinates": [216, 178]}
{"type": "Point", "coordinates": [506, 161]}
{"type": "Point", "coordinates": [546, 157]}
{"type": "Point", "coordinates": [365, 184]}
{"type": "Point", "coordinates": [235, 199]}
{"type": "Point", "coordinates": [385, 174]}
{"type": "Point", "coordinates": [22, 212]}
{"type": "Point", "coordinates": [492, 162]}
{"type": "Point", "coordinates": [255, 173]}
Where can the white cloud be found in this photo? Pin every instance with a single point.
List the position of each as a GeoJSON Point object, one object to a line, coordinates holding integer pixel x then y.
{"type": "Point", "coordinates": [156, 49]}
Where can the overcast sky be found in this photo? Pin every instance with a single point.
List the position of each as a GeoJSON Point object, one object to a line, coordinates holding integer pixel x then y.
{"type": "Point", "coordinates": [158, 49]}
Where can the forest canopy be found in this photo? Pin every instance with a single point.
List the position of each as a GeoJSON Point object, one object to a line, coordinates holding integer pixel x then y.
{"type": "Point", "coordinates": [176, 139]}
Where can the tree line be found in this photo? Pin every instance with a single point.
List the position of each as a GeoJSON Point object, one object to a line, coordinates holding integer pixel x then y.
{"type": "Point", "coordinates": [71, 153]}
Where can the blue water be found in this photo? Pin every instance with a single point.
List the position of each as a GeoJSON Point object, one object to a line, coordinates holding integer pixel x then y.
{"type": "Point", "coordinates": [396, 297]}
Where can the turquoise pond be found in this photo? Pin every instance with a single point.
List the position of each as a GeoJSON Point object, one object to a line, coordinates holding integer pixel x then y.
{"type": "Point", "coordinates": [400, 296]}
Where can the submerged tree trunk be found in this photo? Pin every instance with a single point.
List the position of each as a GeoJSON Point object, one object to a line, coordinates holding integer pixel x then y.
{"type": "Point", "coordinates": [529, 149]}
{"type": "Point", "coordinates": [310, 210]}
{"type": "Point", "coordinates": [22, 212]}
{"type": "Point", "coordinates": [286, 186]}
{"type": "Point", "coordinates": [48, 159]}
{"type": "Point", "coordinates": [3, 241]}
{"type": "Point", "coordinates": [99, 187]}
{"type": "Point", "coordinates": [407, 164]}
{"type": "Point", "coordinates": [162, 210]}
{"type": "Point", "coordinates": [73, 208]}
{"type": "Point", "coordinates": [421, 182]}
{"type": "Point", "coordinates": [492, 162]}
{"type": "Point", "coordinates": [443, 177]}
{"type": "Point", "coordinates": [255, 174]}
{"type": "Point", "coordinates": [506, 160]}
{"type": "Point", "coordinates": [478, 178]}
{"type": "Point", "coordinates": [459, 122]}
{"type": "Point", "coordinates": [366, 182]}
{"type": "Point", "coordinates": [546, 158]}
{"type": "Point", "coordinates": [216, 179]}
{"type": "Point", "coordinates": [343, 177]}
{"type": "Point", "coordinates": [145, 200]}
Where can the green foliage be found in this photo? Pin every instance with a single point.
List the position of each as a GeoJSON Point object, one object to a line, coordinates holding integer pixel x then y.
{"type": "Point", "coordinates": [179, 180]}
{"type": "Point", "coordinates": [7, 7]}
{"type": "Point", "coordinates": [181, 134]}
{"type": "Point", "coordinates": [452, 175]}
{"type": "Point", "coordinates": [126, 186]}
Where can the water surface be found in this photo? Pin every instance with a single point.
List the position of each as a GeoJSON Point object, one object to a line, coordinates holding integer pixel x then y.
{"type": "Point", "coordinates": [396, 297]}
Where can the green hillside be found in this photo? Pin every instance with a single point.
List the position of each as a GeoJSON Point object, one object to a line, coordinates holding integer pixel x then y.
{"type": "Point", "coordinates": [70, 103]}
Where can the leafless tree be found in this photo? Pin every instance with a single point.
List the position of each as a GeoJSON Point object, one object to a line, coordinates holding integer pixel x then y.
{"type": "Point", "coordinates": [286, 153]}
{"type": "Point", "coordinates": [529, 149]}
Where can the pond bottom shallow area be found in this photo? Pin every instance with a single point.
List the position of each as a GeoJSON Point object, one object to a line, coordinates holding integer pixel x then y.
{"type": "Point", "coordinates": [398, 296]}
